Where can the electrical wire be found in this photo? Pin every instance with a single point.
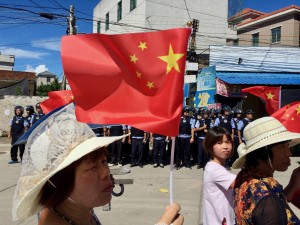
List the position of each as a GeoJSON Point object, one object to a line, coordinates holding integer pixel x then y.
{"type": "Point", "coordinates": [187, 10]}
{"type": "Point", "coordinates": [138, 28]}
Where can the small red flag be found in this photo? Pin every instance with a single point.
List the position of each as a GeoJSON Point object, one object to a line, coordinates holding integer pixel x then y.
{"type": "Point", "coordinates": [271, 96]}
{"type": "Point", "coordinates": [135, 79]}
{"type": "Point", "coordinates": [56, 99]}
{"type": "Point", "coordinates": [289, 116]}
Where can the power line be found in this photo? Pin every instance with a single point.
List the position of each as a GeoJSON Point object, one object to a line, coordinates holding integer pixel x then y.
{"type": "Point", "coordinates": [35, 3]}
{"type": "Point", "coordinates": [122, 25]}
{"type": "Point", "coordinates": [187, 10]}
{"type": "Point", "coordinates": [215, 16]}
{"type": "Point", "coordinates": [29, 6]}
{"type": "Point", "coordinates": [58, 4]}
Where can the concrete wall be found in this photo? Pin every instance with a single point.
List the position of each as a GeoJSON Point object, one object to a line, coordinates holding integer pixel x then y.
{"type": "Point", "coordinates": [43, 80]}
{"type": "Point", "coordinates": [7, 62]}
{"type": "Point", "coordinates": [7, 105]}
{"type": "Point", "coordinates": [289, 32]}
{"type": "Point", "coordinates": [166, 14]}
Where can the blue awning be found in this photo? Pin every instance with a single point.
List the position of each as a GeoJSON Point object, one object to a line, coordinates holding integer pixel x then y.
{"type": "Point", "coordinates": [259, 78]}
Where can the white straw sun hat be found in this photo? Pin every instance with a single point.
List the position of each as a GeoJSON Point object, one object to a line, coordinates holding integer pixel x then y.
{"type": "Point", "coordinates": [56, 143]}
{"type": "Point", "coordinates": [263, 132]}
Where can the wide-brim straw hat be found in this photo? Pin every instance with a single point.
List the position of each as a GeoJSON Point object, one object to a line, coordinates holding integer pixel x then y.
{"type": "Point", "coordinates": [56, 143]}
{"type": "Point", "coordinates": [263, 132]}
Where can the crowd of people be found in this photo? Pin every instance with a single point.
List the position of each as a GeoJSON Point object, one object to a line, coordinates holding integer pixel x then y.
{"type": "Point", "coordinates": [135, 149]}
{"type": "Point", "coordinates": [65, 174]}
{"type": "Point", "coordinates": [194, 124]}
{"type": "Point", "coordinates": [253, 196]}
{"type": "Point", "coordinates": [65, 158]}
{"type": "Point", "coordinates": [18, 125]}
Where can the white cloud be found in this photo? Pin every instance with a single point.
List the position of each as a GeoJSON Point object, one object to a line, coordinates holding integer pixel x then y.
{"type": "Point", "coordinates": [37, 70]}
{"type": "Point", "coordinates": [47, 43]}
{"type": "Point", "coordinates": [20, 53]}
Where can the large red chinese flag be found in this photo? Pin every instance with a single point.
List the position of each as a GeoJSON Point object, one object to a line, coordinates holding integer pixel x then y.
{"type": "Point", "coordinates": [271, 96]}
{"type": "Point", "coordinates": [56, 99]}
{"type": "Point", "coordinates": [135, 79]}
{"type": "Point", "coordinates": [289, 116]}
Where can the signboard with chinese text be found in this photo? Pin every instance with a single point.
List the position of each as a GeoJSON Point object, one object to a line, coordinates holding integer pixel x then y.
{"type": "Point", "coordinates": [229, 90]}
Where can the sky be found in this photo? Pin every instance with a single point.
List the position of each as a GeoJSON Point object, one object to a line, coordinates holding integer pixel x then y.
{"type": "Point", "coordinates": [35, 41]}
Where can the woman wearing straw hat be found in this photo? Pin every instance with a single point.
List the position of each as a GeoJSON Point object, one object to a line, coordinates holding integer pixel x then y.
{"type": "Point", "coordinates": [258, 197]}
{"type": "Point", "coordinates": [65, 174]}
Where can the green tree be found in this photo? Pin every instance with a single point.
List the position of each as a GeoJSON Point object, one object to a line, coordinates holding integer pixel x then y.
{"type": "Point", "coordinates": [43, 89]}
{"type": "Point", "coordinates": [18, 90]}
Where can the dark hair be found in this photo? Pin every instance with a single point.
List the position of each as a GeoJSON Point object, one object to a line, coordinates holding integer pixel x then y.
{"type": "Point", "coordinates": [250, 169]}
{"type": "Point", "coordinates": [64, 180]}
{"type": "Point", "coordinates": [213, 136]}
{"type": "Point", "coordinates": [261, 154]}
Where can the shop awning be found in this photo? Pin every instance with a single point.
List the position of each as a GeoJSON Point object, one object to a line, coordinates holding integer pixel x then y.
{"type": "Point", "coordinates": [259, 78]}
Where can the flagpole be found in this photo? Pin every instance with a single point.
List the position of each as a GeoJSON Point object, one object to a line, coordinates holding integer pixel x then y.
{"type": "Point", "coordinates": [171, 169]}
{"type": "Point", "coordinates": [279, 97]}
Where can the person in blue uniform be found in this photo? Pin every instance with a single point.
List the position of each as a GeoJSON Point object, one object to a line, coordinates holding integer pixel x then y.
{"type": "Point", "coordinates": [39, 113]}
{"type": "Point", "coordinates": [236, 119]}
{"type": "Point", "coordinates": [212, 117]}
{"type": "Point", "coordinates": [116, 148]}
{"type": "Point", "coordinates": [17, 125]}
{"type": "Point", "coordinates": [30, 115]}
{"type": "Point", "coordinates": [218, 114]}
{"type": "Point", "coordinates": [100, 131]}
{"type": "Point", "coordinates": [194, 151]}
{"type": "Point", "coordinates": [184, 140]}
{"type": "Point", "coordinates": [137, 140]}
{"type": "Point", "coordinates": [243, 123]}
{"type": "Point", "coordinates": [159, 149]}
{"type": "Point", "coordinates": [201, 128]}
{"type": "Point", "coordinates": [225, 121]}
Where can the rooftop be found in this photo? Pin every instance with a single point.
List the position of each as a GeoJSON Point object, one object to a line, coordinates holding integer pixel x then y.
{"type": "Point", "coordinates": [6, 75]}
{"type": "Point", "coordinates": [266, 15]}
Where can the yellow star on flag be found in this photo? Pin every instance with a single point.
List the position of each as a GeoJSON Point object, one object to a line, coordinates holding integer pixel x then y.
{"type": "Point", "coordinates": [150, 84]}
{"type": "Point", "coordinates": [139, 75]}
{"type": "Point", "coordinates": [68, 98]}
{"type": "Point", "coordinates": [270, 96]}
{"type": "Point", "coordinates": [171, 59]}
{"type": "Point", "coordinates": [298, 109]}
{"type": "Point", "coordinates": [142, 45]}
{"type": "Point", "coordinates": [133, 58]}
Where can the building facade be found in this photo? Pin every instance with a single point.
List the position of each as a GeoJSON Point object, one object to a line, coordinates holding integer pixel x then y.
{"type": "Point", "coordinates": [280, 28]}
{"type": "Point", "coordinates": [17, 83]}
{"type": "Point", "coordinates": [45, 78]}
{"type": "Point", "coordinates": [7, 62]}
{"type": "Point", "coordinates": [129, 16]}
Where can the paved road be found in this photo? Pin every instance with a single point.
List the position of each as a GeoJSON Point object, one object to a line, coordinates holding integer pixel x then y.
{"type": "Point", "coordinates": [142, 202]}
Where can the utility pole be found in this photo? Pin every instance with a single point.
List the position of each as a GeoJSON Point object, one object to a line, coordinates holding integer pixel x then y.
{"type": "Point", "coordinates": [71, 22]}
{"type": "Point", "coordinates": [192, 46]}
{"type": "Point", "coordinates": [71, 30]}
{"type": "Point", "coordinates": [195, 26]}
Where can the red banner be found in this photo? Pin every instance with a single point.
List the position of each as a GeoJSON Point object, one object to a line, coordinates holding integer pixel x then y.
{"type": "Point", "coordinates": [135, 79]}
{"type": "Point", "coordinates": [56, 99]}
{"type": "Point", "coordinates": [271, 96]}
{"type": "Point", "coordinates": [289, 116]}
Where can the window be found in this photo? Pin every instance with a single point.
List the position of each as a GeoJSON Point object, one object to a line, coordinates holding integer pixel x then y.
{"type": "Point", "coordinates": [107, 21]}
{"type": "Point", "coordinates": [276, 34]}
{"type": "Point", "coordinates": [255, 39]}
{"type": "Point", "coordinates": [119, 16]}
{"type": "Point", "coordinates": [48, 79]}
{"type": "Point", "coordinates": [132, 5]}
{"type": "Point", "coordinates": [236, 42]}
{"type": "Point", "coordinates": [98, 26]}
